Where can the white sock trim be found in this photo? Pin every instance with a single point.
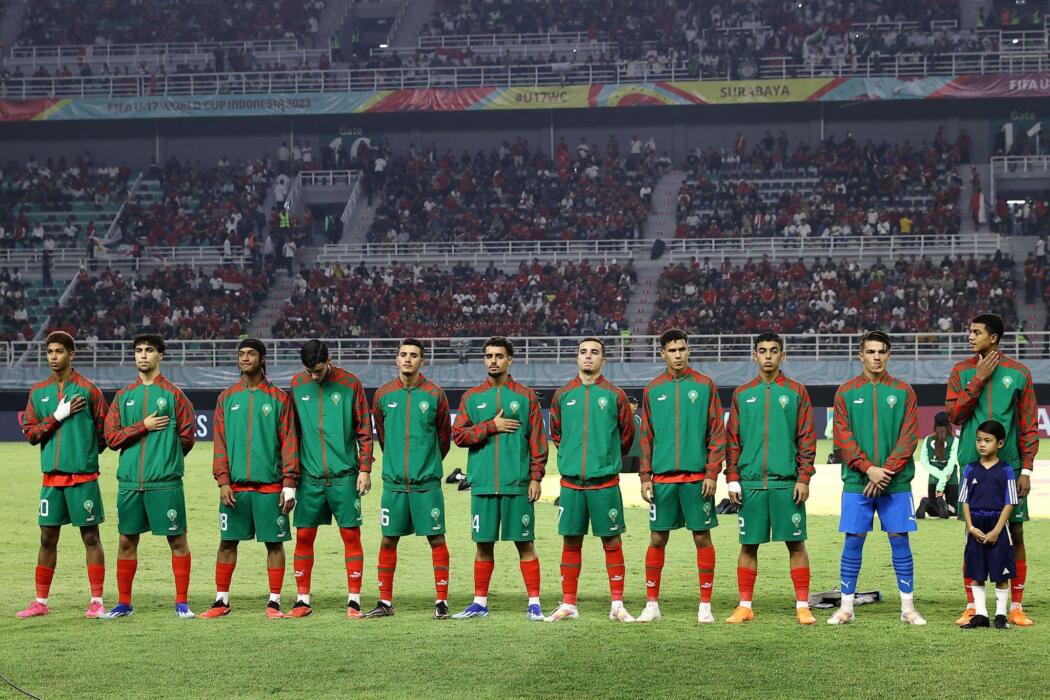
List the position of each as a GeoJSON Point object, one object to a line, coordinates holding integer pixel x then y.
{"type": "Point", "coordinates": [1002, 600]}
{"type": "Point", "coordinates": [980, 600]}
{"type": "Point", "coordinates": [847, 602]}
{"type": "Point", "coordinates": [224, 596]}
{"type": "Point", "coordinates": [745, 604]}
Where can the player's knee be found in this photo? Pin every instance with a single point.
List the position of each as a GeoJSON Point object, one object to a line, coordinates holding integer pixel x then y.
{"type": "Point", "coordinates": [180, 545]}
{"type": "Point", "coordinates": [229, 546]}
{"type": "Point", "coordinates": [436, 540]}
{"type": "Point", "coordinates": [750, 549]}
{"type": "Point", "coordinates": [89, 535]}
{"type": "Point", "coordinates": [1017, 533]}
{"type": "Point", "coordinates": [275, 547]}
{"type": "Point", "coordinates": [702, 538]}
{"type": "Point", "coordinates": [526, 550]}
{"type": "Point", "coordinates": [574, 542]}
{"type": "Point", "coordinates": [389, 542]}
{"type": "Point", "coordinates": [49, 537]}
{"type": "Point", "coordinates": [793, 547]}
{"type": "Point", "coordinates": [658, 539]}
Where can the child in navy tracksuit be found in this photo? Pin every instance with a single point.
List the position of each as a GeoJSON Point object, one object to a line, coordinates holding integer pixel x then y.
{"type": "Point", "coordinates": [988, 493]}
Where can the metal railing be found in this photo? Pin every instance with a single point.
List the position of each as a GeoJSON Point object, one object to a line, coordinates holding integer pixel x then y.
{"type": "Point", "coordinates": [351, 202]}
{"type": "Point", "coordinates": [860, 247]}
{"type": "Point", "coordinates": [592, 49]}
{"type": "Point", "coordinates": [1011, 165]}
{"type": "Point", "coordinates": [74, 52]}
{"type": "Point", "coordinates": [466, 41]}
{"type": "Point", "coordinates": [327, 178]}
{"type": "Point", "coordinates": [551, 75]}
{"type": "Point", "coordinates": [641, 348]}
{"type": "Point", "coordinates": [290, 58]}
{"type": "Point", "coordinates": [74, 258]}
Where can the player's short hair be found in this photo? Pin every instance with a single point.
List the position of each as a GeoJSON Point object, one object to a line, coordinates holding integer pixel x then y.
{"type": "Point", "coordinates": [313, 352]}
{"type": "Point", "coordinates": [994, 323]}
{"type": "Point", "coordinates": [591, 339]}
{"type": "Point", "coordinates": [769, 337]}
{"type": "Point", "coordinates": [672, 335]}
{"type": "Point", "coordinates": [875, 337]}
{"type": "Point", "coordinates": [62, 338]}
{"type": "Point", "coordinates": [151, 339]}
{"type": "Point", "coordinates": [993, 428]}
{"type": "Point", "coordinates": [416, 343]}
{"type": "Point", "coordinates": [498, 341]}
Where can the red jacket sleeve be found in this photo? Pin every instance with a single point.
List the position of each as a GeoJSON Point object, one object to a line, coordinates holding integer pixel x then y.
{"type": "Point", "coordinates": [363, 429]}
{"type": "Point", "coordinates": [556, 418]}
{"type": "Point", "coordinates": [289, 440]}
{"type": "Point", "coordinates": [99, 411]}
{"type": "Point", "coordinates": [625, 422]}
{"type": "Point", "coordinates": [117, 435]}
{"type": "Point", "coordinates": [961, 400]}
{"type": "Point", "coordinates": [909, 436]}
{"type": "Point", "coordinates": [35, 429]}
{"type": "Point", "coordinates": [733, 446]}
{"type": "Point", "coordinates": [377, 414]}
{"type": "Point", "coordinates": [845, 441]}
{"type": "Point", "coordinates": [443, 419]}
{"type": "Point", "coordinates": [1028, 423]}
{"type": "Point", "coordinates": [465, 433]}
{"type": "Point", "coordinates": [716, 435]}
{"type": "Point", "coordinates": [805, 437]}
{"type": "Point", "coordinates": [537, 440]}
{"type": "Point", "coordinates": [186, 422]}
{"type": "Point", "coordinates": [220, 463]}
{"type": "Point", "coordinates": [645, 439]}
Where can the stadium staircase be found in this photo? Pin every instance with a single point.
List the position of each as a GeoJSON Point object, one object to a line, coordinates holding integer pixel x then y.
{"type": "Point", "coordinates": [11, 24]}
{"type": "Point", "coordinates": [411, 21]}
{"type": "Point", "coordinates": [332, 20]}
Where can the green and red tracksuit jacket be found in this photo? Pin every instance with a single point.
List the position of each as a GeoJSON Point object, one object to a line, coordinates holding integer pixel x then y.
{"type": "Point", "coordinates": [414, 428]}
{"type": "Point", "coordinates": [68, 450]}
{"type": "Point", "coordinates": [1008, 396]}
{"type": "Point", "coordinates": [335, 425]}
{"type": "Point", "coordinates": [683, 434]}
{"type": "Point", "coordinates": [771, 439]}
{"type": "Point", "coordinates": [150, 460]}
{"type": "Point", "coordinates": [501, 463]}
{"type": "Point", "coordinates": [256, 447]}
{"type": "Point", "coordinates": [593, 427]}
{"type": "Point", "coordinates": [876, 425]}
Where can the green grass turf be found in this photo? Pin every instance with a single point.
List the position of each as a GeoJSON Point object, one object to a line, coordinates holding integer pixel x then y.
{"type": "Point", "coordinates": [244, 655]}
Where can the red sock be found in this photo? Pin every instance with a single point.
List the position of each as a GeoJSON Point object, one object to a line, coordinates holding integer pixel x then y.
{"type": "Point", "coordinates": [1017, 582]}
{"type": "Point", "coordinates": [571, 561]}
{"type": "Point", "coordinates": [181, 568]}
{"type": "Point", "coordinates": [745, 583]}
{"type": "Point", "coordinates": [96, 579]}
{"type": "Point", "coordinates": [276, 576]}
{"type": "Point", "coordinates": [615, 567]}
{"type": "Point", "coordinates": [439, 555]}
{"type": "Point", "coordinates": [43, 581]}
{"type": "Point", "coordinates": [967, 583]}
{"type": "Point", "coordinates": [125, 577]}
{"type": "Point", "coordinates": [654, 566]}
{"type": "Point", "coordinates": [800, 578]}
{"type": "Point", "coordinates": [705, 564]}
{"type": "Point", "coordinates": [530, 572]}
{"type": "Point", "coordinates": [387, 566]}
{"type": "Point", "coordinates": [354, 556]}
{"type": "Point", "coordinates": [223, 576]}
{"type": "Point", "coordinates": [482, 576]}
{"type": "Point", "coordinates": [303, 559]}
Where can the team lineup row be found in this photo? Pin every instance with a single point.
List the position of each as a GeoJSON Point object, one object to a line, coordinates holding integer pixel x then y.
{"type": "Point", "coordinates": [310, 449]}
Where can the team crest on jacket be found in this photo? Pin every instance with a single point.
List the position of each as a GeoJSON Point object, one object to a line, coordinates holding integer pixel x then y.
{"type": "Point", "coordinates": [162, 402]}
{"type": "Point", "coordinates": [1007, 381]}
{"type": "Point", "coordinates": [266, 409]}
{"type": "Point", "coordinates": [336, 398]}
{"type": "Point", "coordinates": [603, 402]}
{"type": "Point", "coordinates": [783, 401]}
{"type": "Point", "coordinates": [891, 400]}
{"type": "Point", "coordinates": [693, 395]}
{"type": "Point", "coordinates": [514, 406]}
{"type": "Point", "coordinates": [424, 406]}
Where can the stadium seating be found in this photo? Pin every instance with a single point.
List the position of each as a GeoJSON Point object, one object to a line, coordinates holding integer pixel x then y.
{"type": "Point", "coordinates": [182, 303]}
{"type": "Point", "coordinates": [548, 298]}
{"type": "Point", "coordinates": [511, 194]}
{"type": "Point", "coordinates": [909, 295]}
{"type": "Point", "coordinates": [773, 188]}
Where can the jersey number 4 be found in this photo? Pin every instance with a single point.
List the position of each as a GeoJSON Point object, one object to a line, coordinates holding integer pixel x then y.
{"type": "Point", "coordinates": [475, 523]}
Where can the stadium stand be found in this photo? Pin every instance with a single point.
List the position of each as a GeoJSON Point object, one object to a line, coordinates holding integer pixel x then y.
{"type": "Point", "coordinates": [839, 188]}
{"type": "Point", "coordinates": [908, 295]}
{"type": "Point", "coordinates": [512, 193]}
{"type": "Point", "coordinates": [548, 298]}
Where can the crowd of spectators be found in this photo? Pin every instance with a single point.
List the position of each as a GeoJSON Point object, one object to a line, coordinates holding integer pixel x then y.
{"type": "Point", "coordinates": [181, 303]}
{"type": "Point", "coordinates": [839, 188]}
{"type": "Point", "coordinates": [511, 193]}
{"type": "Point", "coordinates": [539, 298]}
{"type": "Point", "coordinates": [168, 21]}
{"type": "Point", "coordinates": [910, 295]}
{"type": "Point", "coordinates": [14, 315]}
{"type": "Point", "coordinates": [56, 187]}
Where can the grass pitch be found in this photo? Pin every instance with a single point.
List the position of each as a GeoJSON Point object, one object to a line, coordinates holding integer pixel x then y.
{"type": "Point", "coordinates": [154, 655]}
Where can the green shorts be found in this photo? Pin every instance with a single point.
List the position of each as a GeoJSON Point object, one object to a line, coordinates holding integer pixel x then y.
{"type": "Point", "coordinates": [162, 512]}
{"type": "Point", "coordinates": [603, 508]}
{"type": "Point", "coordinates": [255, 515]}
{"type": "Point", "coordinates": [507, 518]}
{"type": "Point", "coordinates": [1018, 515]}
{"type": "Point", "coordinates": [771, 511]}
{"type": "Point", "coordinates": [681, 505]}
{"type": "Point", "coordinates": [316, 503]}
{"type": "Point", "coordinates": [412, 513]}
{"type": "Point", "coordinates": [80, 505]}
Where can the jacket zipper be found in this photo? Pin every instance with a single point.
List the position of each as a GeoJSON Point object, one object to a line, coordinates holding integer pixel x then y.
{"type": "Point", "coordinates": [765, 449]}
{"type": "Point", "coordinates": [58, 431]}
{"type": "Point", "coordinates": [408, 415]}
{"type": "Point", "coordinates": [496, 441]}
{"type": "Point", "coordinates": [142, 442]}
{"type": "Point", "coordinates": [320, 429]}
{"type": "Point", "coordinates": [586, 413]}
{"type": "Point", "coordinates": [251, 409]}
{"type": "Point", "coordinates": [875, 412]}
{"type": "Point", "coordinates": [677, 427]}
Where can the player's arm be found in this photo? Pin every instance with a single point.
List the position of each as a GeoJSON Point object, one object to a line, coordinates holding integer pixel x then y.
{"type": "Point", "coordinates": [377, 414]}
{"type": "Point", "coordinates": [908, 438]}
{"type": "Point", "coordinates": [556, 418]}
{"type": "Point", "coordinates": [964, 501]}
{"type": "Point", "coordinates": [845, 441]}
{"type": "Point", "coordinates": [1010, 499]}
{"type": "Point", "coordinates": [805, 437]}
{"type": "Point", "coordinates": [1027, 431]}
{"type": "Point", "coordinates": [538, 450]}
{"type": "Point", "coordinates": [716, 435]}
{"type": "Point", "coordinates": [443, 419]}
{"type": "Point", "coordinates": [117, 435]}
{"type": "Point", "coordinates": [645, 440]}
{"type": "Point", "coordinates": [99, 413]}
{"type": "Point", "coordinates": [960, 400]}
{"type": "Point", "coordinates": [288, 439]}
{"type": "Point", "coordinates": [939, 474]}
{"type": "Point", "coordinates": [733, 448]}
{"type": "Point", "coordinates": [362, 418]}
{"type": "Point", "coordinates": [185, 422]}
{"type": "Point", "coordinates": [35, 429]}
{"type": "Point", "coordinates": [625, 422]}
{"type": "Point", "coordinates": [220, 462]}
{"type": "Point", "coordinates": [465, 433]}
